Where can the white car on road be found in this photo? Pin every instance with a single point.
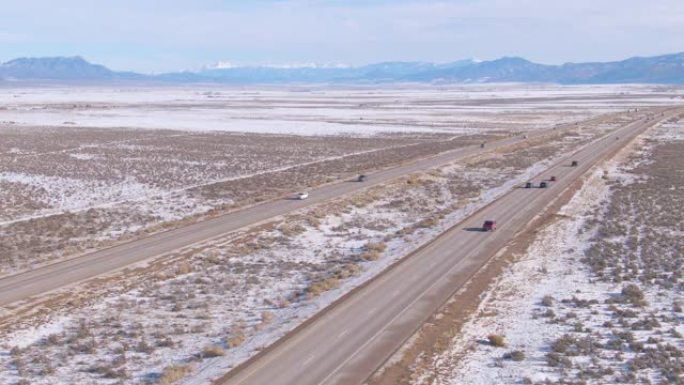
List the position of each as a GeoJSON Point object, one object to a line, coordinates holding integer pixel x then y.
{"type": "Point", "coordinates": [302, 195]}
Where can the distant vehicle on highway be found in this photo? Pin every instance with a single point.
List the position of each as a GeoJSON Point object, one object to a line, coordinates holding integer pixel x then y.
{"type": "Point", "coordinates": [362, 178]}
{"type": "Point", "coordinates": [574, 163]}
{"type": "Point", "coordinates": [489, 225]}
{"type": "Point", "coordinates": [552, 179]}
{"type": "Point", "coordinates": [543, 185]}
{"type": "Point", "coordinates": [302, 195]}
{"type": "Point", "coordinates": [482, 145]}
{"type": "Point", "coordinates": [528, 185]}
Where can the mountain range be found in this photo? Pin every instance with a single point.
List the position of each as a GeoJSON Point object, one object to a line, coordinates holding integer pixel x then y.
{"type": "Point", "coordinates": [664, 69]}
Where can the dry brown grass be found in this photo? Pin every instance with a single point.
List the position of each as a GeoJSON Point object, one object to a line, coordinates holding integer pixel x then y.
{"type": "Point", "coordinates": [183, 268]}
{"type": "Point", "coordinates": [496, 340]}
{"type": "Point", "coordinates": [318, 287]}
{"type": "Point", "coordinates": [267, 317]}
{"type": "Point", "coordinates": [174, 373]}
{"type": "Point", "coordinates": [213, 351]}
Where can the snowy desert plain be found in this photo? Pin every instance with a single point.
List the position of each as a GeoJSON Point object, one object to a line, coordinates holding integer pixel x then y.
{"type": "Point", "coordinates": [595, 297]}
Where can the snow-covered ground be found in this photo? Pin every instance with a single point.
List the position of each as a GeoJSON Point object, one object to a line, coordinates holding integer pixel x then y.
{"type": "Point", "coordinates": [67, 189]}
{"type": "Point", "coordinates": [322, 111]}
{"type": "Point", "coordinates": [64, 194]}
{"type": "Point", "coordinates": [560, 320]}
{"type": "Point", "coordinates": [233, 296]}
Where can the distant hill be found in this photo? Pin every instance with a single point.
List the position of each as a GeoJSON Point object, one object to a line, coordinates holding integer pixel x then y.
{"type": "Point", "coordinates": [665, 69]}
{"type": "Point", "coordinates": [657, 69]}
{"type": "Point", "coordinates": [60, 68]}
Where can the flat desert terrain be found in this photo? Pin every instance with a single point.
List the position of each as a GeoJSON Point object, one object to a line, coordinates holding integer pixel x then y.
{"type": "Point", "coordinates": [82, 169]}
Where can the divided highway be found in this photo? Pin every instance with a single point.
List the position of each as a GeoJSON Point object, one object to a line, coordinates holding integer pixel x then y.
{"type": "Point", "coordinates": [61, 274]}
{"type": "Point", "coordinates": [350, 340]}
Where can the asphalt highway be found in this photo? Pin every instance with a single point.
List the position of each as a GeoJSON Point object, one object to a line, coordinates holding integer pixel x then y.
{"type": "Point", "coordinates": [68, 272]}
{"type": "Point", "coordinates": [352, 338]}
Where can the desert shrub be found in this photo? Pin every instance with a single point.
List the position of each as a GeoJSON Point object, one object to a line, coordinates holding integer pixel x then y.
{"type": "Point", "coordinates": [183, 268]}
{"type": "Point", "coordinates": [677, 307]}
{"type": "Point", "coordinates": [15, 352]}
{"type": "Point", "coordinates": [53, 339]}
{"type": "Point", "coordinates": [624, 336]}
{"type": "Point", "coordinates": [370, 255]}
{"type": "Point", "coordinates": [174, 373]}
{"type": "Point", "coordinates": [496, 340]}
{"type": "Point", "coordinates": [648, 323]}
{"type": "Point", "coordinates": [283, 302]}
{"type": "Point", "coordinates": [515, 355]}
{"type": "Point", "coordinates": [562, 344]}
{"type": "Point", "coordinates": [290, 230]}
{"type": "Point", "coordinates": [144, 347]}
{"type": "Point", "coordinates": [267, 317]}
{"type": "Point", "coordinates": [413, 179]}
{"type": "Point", "coordinates": [624, 313]}
{"type": "Point", "coordinates": [165, 343]}
{"type": "Point", "coordinates": [556, 360]}
{"type": "Point", "coordinates": [107, 371]}
{"type": "Point", "coordinates": [633, 294]}
{"type": "Point", "coordinates": [581, 303]}
{"type": "Point", "coordinates": [318, 287]}
{"type": "Point", "coordinates": [572, 346]}
{"type": "Point", "coordinates": [376, 246]}
{"type": "Point", "coordinates": [212, 351]}
{"type": "Point", "coordinates": [427, 223]}
{"type": "Point", "coordinates": [372, 251]}
{"type": "Point", "coordinates": [547, 300]}
{"type": "Point", "coordinates": [360, 201]}
{"type": "Point", "coordinates": [235, 340]}
{"type": "Point", "coordinates": [348, 270]}
{"type": "Point", "coordinates": [237, 335]}
{"type": "Point", "coordinates": [313, 221]}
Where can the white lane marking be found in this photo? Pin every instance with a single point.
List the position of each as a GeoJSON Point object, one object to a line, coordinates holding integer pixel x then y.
{"type": "Point", "coordinates": [308, 360]}
{"type": "Point", "coordinates": [396, 293]}
{"type": "Point", "coordinates": [373, 310]}
{"type": "Point", "coordinates": [344, 333]}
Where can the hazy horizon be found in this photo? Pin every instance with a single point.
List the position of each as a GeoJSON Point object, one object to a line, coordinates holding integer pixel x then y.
{"type": "Point", "coordinates": [152, 37]}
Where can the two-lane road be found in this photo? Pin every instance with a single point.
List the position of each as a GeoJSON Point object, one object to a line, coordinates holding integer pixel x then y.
{"type": "Point", "coordinates": [350, 340]}
{"type": "Point", "coordinates": [62, 274]}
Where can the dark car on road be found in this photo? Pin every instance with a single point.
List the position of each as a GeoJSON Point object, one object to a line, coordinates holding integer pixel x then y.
{"type": "Point", "coordinates": [543, 185]}
{"type": "Point", "coordinates": [489, 225]}
{"type": "Point", "coordinates": [362, 178]}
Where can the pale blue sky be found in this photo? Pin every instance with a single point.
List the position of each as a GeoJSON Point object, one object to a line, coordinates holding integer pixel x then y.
{"type": "Point", "coordinates": [165, 35]}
